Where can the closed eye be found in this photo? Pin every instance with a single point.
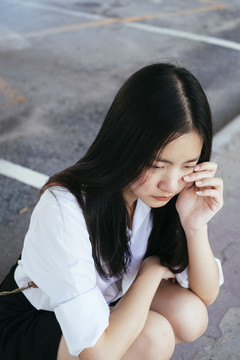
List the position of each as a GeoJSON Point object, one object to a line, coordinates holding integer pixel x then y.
{"type": "Point", "coordinates": [157, 167]}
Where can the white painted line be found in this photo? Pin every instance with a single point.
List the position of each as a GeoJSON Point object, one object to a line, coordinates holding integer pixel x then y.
{"type": "Point", "coordinates": [226, 134]}
{"type": "Point", "coordinates": [56, 9]}
{"type": "Point", "coordinates": [22, 174]}
{"type": "Point", "coordinates": [186, 35]}
{"type": "Point", "coordinates": [37, 180]}
{"type": "Point", "coordinates": [140, 26]}
{"type": "Point", "coordinates": [19, 44]}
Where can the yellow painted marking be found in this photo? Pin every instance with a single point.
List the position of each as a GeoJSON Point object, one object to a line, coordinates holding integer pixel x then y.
{"type": "Point", "coordinates": [210, 2]}
{"type": "Point", "coordinates": [104, 22]}
{"type": "Point", "coordinates": [17, 98]}
{"type": "Point", "coordinates": [14, 96]}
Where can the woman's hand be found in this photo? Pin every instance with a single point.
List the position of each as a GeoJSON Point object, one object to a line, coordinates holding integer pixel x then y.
{"type": "Point", "coordinates": [152, 266]}
{"type": "Point", "coordinates": [202, 199]}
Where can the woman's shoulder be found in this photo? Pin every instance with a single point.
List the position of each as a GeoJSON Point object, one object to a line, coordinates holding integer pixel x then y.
{"type": "Point", "coordinates": [58, 192]}
{"type": "Point", "coordinates": [60, 198]}
{"type": "Point", "coordinates": [56, 211]}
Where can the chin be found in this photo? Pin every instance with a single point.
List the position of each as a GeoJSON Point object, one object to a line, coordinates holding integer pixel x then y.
{"type": "Point", "coordinates": [156, 204]}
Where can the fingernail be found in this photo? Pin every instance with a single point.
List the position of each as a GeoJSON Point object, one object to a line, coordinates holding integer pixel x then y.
{"type": "Point", "coordinates": [199, 182]}
{"type": "Point", "coordinates": [197, 167]}
{"type": "Point", "coordinates": [198, 192]}
{"type": "Point", "coordinates": [187, 177]}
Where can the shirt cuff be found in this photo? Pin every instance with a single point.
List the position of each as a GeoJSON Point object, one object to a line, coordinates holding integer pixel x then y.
{"type": "Point", "coordinates": [182, 278]}
{"type": "Point", "coordinates": [83, 320]}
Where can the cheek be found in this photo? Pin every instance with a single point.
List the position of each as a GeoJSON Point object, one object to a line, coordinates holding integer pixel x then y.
{"type": "Point", "coordinates": [184, 186]}
{"type": "Point", "coordinates": [144, 182]}
{"type": "Point", "coordinates": [143, 188]}
{"type": "Point", "coordinates": [182, 183]}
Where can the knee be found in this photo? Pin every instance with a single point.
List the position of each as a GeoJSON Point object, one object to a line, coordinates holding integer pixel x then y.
{"type": "Point", "coordinates": [192, 320]}
{"type": "Point", "coordinates": [158, 338]}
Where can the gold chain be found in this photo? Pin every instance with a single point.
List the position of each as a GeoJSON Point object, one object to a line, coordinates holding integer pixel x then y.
{"type": "Point", "coordinates": [30, 285]}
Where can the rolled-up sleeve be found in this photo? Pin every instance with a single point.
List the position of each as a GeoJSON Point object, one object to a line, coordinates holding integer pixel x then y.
{"type": "Point", "coordinates": [57, 256]}
{"type": "Point", "coordinates": [83, 320]}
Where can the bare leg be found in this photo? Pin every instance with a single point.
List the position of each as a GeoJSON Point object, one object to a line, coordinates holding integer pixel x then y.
{"type": "Point", "coordinates": [63, 353]}
{"type": "Point", "coordinates": [155, 342]}
{"type": "Point", "coordinates": [183, 309]}
{"type": "Point", "coordinates": [177, 315]}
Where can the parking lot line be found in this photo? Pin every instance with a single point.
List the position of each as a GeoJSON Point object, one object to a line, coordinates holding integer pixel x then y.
{"type": "Point", "coordinates": [213, 5]}
{"type": "Point", "coordinates": [133, 22]}
{"type": "Point", "coordinates": [14, 96]}
{"type": "Point", "coordinates": [101, 21]}
{"type": "Point", "coordinates": [187, 35]}
{"type": "Point", "coordinates": [55, 9]}
{"type": "Point", "coordinates": [22, 174]}
{"type": "Point", "coordinates": [37, 180]}
{"type": "Point", "coordinates": [225, 136]}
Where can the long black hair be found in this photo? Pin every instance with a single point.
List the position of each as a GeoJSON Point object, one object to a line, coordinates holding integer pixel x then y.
{"type": "Point", "coordinates": [157, 104]}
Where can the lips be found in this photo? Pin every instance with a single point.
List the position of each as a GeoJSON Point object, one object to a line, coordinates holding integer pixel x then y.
{"type": "Point", "coordinates": [162, 198]}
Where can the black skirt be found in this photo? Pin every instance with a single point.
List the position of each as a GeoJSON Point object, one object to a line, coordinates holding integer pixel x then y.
{"type": "Point", "coordinates": [25, 332]}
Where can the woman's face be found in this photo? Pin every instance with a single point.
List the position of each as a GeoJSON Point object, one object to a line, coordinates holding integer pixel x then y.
{"type": "Point", "coordinates": [165, 178]}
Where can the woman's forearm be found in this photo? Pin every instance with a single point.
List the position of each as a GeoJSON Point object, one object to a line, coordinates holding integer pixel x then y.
{"type": "Point", "coordinates": [203, 270]}
{"type": "Point", "coordinates": [127, 318]}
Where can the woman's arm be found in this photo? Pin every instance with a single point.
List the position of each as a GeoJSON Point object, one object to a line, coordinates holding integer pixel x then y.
{"type": "Point", "coordinates": [202, 269]}
{"type": "Point", "coordinates": [196, 205]}
{"type": "Point", "coordinates": [128, 317]}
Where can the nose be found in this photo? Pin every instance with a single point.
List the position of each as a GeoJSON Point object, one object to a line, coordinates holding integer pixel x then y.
{"type": "Point", "coordinates": [171, 182]}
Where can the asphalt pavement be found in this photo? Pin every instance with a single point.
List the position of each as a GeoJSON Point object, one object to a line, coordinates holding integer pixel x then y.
{"type": "Point", "coordinates": [61, 64]}
{"type": "Point", "coordinates": [221, 341]}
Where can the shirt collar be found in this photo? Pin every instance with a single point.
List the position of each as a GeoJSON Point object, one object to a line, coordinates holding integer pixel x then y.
{"type": "Point", "coordinates": [141, 211]}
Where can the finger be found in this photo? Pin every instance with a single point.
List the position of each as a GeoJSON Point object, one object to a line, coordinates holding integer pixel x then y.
{"type": "Point", "coordinates": [212, 193]}
{"type": "Point", "coordinates": [198, 176]}
{"type": "Point", "coordinates": [216, 183]}
{"type": "Point", "coordinates": [207, 165]}
{"type": "Point", "coordinates": [169, 275]}
{"type": "Point", "coordinates": [173, 281]}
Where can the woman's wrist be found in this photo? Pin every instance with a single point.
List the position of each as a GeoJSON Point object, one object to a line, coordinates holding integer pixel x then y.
{"type": "Point", "coordinates": [155, 273]}
{"type": "Point", "coordinates": [192, 233]}
{"type": "Point", "coordinates": [152, 270]}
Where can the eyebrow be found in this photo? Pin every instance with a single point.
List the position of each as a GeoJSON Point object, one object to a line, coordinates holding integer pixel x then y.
{"type": "Point", "coordinates": [185, 162]}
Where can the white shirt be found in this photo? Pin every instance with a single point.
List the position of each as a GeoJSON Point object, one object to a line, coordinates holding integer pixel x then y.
{"type": "Point", "coordinates": [57, 256]}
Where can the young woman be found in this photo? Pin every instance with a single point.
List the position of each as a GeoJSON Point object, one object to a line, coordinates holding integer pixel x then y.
{"type": "Point", "coordinates": [117, 245]}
